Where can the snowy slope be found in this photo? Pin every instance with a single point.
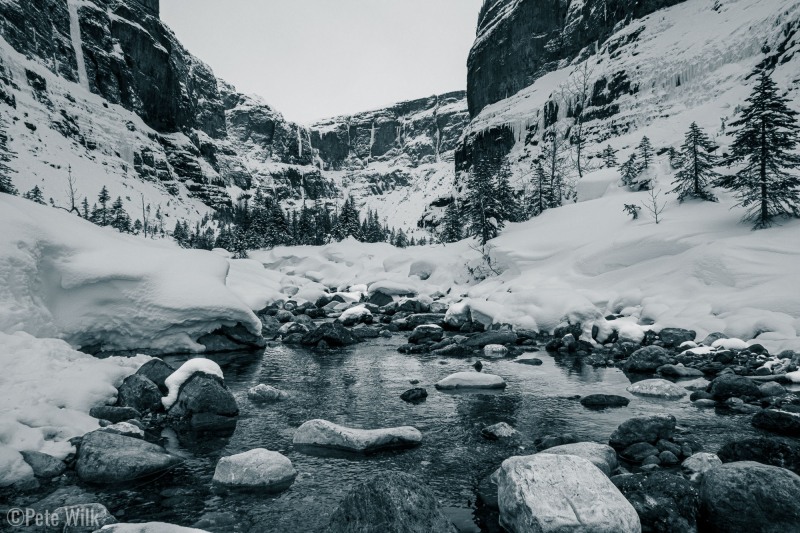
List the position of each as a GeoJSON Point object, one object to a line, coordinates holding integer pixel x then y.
{"type": "Point", "coordinates": [689, 62]}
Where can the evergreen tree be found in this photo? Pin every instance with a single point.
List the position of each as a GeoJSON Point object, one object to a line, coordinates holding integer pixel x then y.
{"type": "Point", "coordinates": [541, 197]}
{"type": "Point", "coordinates": [35, 195]}
{"type": "Point", "coordinates": [6, 184]}
{"type": "Point", "coordinates": [179, 234]}
{"type": "Point", "coordinates": [645, 152]}
{"type": "Point", "coordinates": [609, 156]}
{"type": "Point", "coordinates": [452, 224]}
{"type": "Point", "coordinates": [630, 170]}
{"type": "Point", "coordinates": [137, 227]}
{"type": "Point", "coordinates": [348, 223]}
{"type": "Point", "coordinates": [85, 208]}
{"type": "Point", "coordinates": [508, 209]}
{"type": "Point", "coordinates": [225, 238]}
{"type": "Point", "coordinates": [401, 241]}
{"type": "Point", "coordinates": [765, 137]}
{"type": "Point", "coordinates": [279, 232]}
{"type": "Point", "coordinates": [482, 208]}
{"type": "Point", "coordinates": [554, 165]}
{"type": "Point", "coordinates": [119, 218]}
{"type": "Point", "coordinates": [100, 215]}
{"type": "Point", "coordinates": [697, 163]}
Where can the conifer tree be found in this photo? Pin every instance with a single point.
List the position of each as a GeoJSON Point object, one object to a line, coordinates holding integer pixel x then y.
{"type": "Point", "coordinates": [179, 235]}
{"type": "Point", "coordinates": [505, 197]}
{"type": "Point", "coordinates": [481, 205]}
{"type": "Point", "coordinates": [401, 241]}
{"type": "Point", "coordinates": [553, 164]}
{"type": "Point", "coordinates": [609, 156]}
{"type": "Point", "coordinates": [541, 197]}
{"type": "Point", "coordinates": [630, 170]}
{"type": "Point", "coordinates": [766, 135]}
{"type": "Point", "coordinates": [645, 152]}
{"type": "Point", "coordinates": [697, 161]}
{"type": "Point", "coordinates": [119, 218]}
{"type": "Point", "coordinates": [6, 184]}
{"type": "Point", "coordinates": [452, 224]}
{"type": "Point", "coordinates": [278, 232]}
{"type": "Point", "coordinates": [85, 208]}
{"type": "Point", "coordinates": [100, 215]}
{"type": "Point", "coordinates": [35, 195]}
{"type": "Point", "coordinates": [348, 223]}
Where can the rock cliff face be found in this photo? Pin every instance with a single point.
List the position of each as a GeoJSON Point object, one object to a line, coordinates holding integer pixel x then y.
{"type": "Point", "coordinates": [143, 105]}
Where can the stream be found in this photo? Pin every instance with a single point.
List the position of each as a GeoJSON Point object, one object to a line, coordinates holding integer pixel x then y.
{"type": "Point", "coordinates": [361, 387]}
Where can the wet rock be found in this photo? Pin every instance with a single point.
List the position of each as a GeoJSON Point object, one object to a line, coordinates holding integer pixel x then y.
{"type": "Point", "coordinates": [487, 492]}
{"type": "Point", "coordinates": [712, 338]}
{"type": "Point", "coordinates": [43, 465]}
{"type": "Point", "coordinates": [107, 458]}
{"type": "Point", "coordinates": [780, 422]}
{"type": "Point", "coordinates": [657, 388]}
{"type": "Point", "coordinates": [668, 458]}
{"type": "Point", "coordinates": [415, 395]}
{"type": "Point", "coordinates": [727, 386]}
{"type": "Point", "coordinates": [380, 299]}
{"type": "Point", "coordinates": [139, 393]}
{"type": "Point", "coordinates": [326, 434]}
{"type": "Point", "coordinates": [553, 493]}
{"type": "Point", "coordinates": [269, 326]}
{"type": "Point", "coordinates": [491, 337]}
{"type": "Point", "coordinates": [765, 450]}
{"type": "Point", "coordinates": [149, 527]}
{"type": "Point", "coordinates": [426, 333]}
{"type": "Point", "coordinates": [532, 361]}
{"type": "Point", "coordinates": [156, 371]}
{"type": "Point", "coordinates": [333, 333]}
{"type": "Point", "coordinates": [83, 517]}
{"type": "Point", "coordinates": [453, 350]}
{"type": "Point", "coordinates": [665, 503]}
{"type": "Point", "coordinates": [551, 441]}
{"type": "Point", "coordinates": [424, 319]}
{"type": "Point", "coordinates": [125, 428]}
{"type": "Point", "coordinates": [204, 403]}
{"type": "Point", "coordinates": [600, 401]}
{"type": "Point", "coordinates": [647, 359]}
{"type": "Point", "coordinates": [498, 431]}
{"type": "Point", "coordinates": [257, 469]}
{"type": "Point", "coordinates": [494, 351]}
{"type": "Point", "coordinates": [232, 339]}
{"type": "Point", "coordinates": [749, 496]}
{"type": "Point", "coordinates": [700, 463]}
{"type": "Point", "coordinates": [262, 393]}
{"type": "Point", "coordinates": [471, 380]}
{"type": "Point", "coordinates": [392, 501]}
{"type": "Point", "coordinates": [674, 337]}
{"type": "Point", "coordinates": [600, 455]}
{"type": "Point", "coordinates": [639, 451]}
{"type": "Point", "coordinates": [679, 371]}
{"type": "Point", "coordinates": [114, 414]}
{"type": "Point", "coordinates": [478, 366]}
{"type": "Point", "coordinates": [643, 429]}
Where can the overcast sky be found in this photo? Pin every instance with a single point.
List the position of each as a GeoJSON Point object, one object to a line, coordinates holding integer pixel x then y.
{"type": "Point", "coordinates": [314, 59]}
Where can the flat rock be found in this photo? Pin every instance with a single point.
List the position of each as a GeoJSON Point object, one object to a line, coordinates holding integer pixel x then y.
{"type": "Point", "coordinates": [558, 493]}
{"type": "Point", "coordinates": [108, 458]}
{"type": "Point", "coordinates": [326, 434]}
{"type": "Point", "coordinates": [491, 337]}
{"type": "Point", "coordinates": [414, 395]}
{"type": "Point", "coordinates": [657, 388]}
{"type": "Point", "coordinates": [749, 496]}
{"type": "Point", "coordinates": [262, 393]}
{"type": "Point", "coordinates": [257, 469]}
{"type": "Point", "coordinates": [391, 502]}
{"type": "Point", "coordinates": [471, 380]}
{"type": "Point", "coordinates": [533, 361]}
{"type": "Point", "coordinates": [599, 401]}
{"type": "Point", "coordinates": [679, 371]}
{"type": "Point", "coordinates": [600, 455]}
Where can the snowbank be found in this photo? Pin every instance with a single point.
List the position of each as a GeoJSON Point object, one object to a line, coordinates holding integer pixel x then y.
{"type": "Point", "coordinates": [46, 392]}
{"type": "Point", "coordinates": [66, 278]}
{"type": "Point", "coordinates": [179, 377]}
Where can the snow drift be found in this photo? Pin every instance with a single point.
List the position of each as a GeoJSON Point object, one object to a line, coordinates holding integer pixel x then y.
{"type": "Point", "coordinates": [66, 278]}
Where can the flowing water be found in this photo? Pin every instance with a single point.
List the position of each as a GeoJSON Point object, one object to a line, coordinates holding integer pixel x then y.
{"type": "Point", "coordinates": [361, 387]}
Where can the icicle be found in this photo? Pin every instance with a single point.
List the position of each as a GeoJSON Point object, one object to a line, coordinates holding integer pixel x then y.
{"type": "Point", "coordinates": [299, 143]}
{"type": "Point", "coordinates": [372, 138]}
{"type": "Point", "coordinates": [77, 42]}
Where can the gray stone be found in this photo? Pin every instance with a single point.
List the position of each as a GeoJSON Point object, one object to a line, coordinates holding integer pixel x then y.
{"type": "Point", "coordinates": [665, 503]}
{"type": "Point", "coordinates": [674, 337]}
{"type": "Point", "coordinates": [647, 359]}
{"type": "Point", "coordinates": [257, 469]}
{"type": "Point", "coordinates": [265, 394]}
{"type": "Point", "coordinates": [204, 403]}
{"type": "Point", "coordinates": [324, 434]}
{"type": "Point", "coordinates": [114, 414]}
{"type": "Point", "coordinates": [139, 393]}
{"type": "Point", "coordinates": [643, 429]}
{"type": "Point", "coordinates": [43, 465]}
{"type": "Point", "coordinates": [600, 455]}
{"type": "Point", "coordinates": [156, 371]}
{"type": "Point", "coordinates": [108, 458]}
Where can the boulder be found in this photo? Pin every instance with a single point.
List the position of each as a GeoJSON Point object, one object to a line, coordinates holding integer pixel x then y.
{"type": "Point", "coordinates": [771, 389]}
{"type": "Point", "coordinates": [657, 388]}
{"type": "Point", "coordinates": [491, 337]}
{"type": "Point", "coordinates": [640, 451]}
{"type": "Point", "coordinates": [139, 393]}
{"type": "Point", "coordinates": [600, 401]}
{"type": "Point", "coordinates": [749, 496]}
{"type": "Point", "coordinates": [700, 463]}
{"type": "Point", "coordinates": [551, 441]}
{"type": "Point", "coordinates": [471, 380]}
{"type": "Point", "coordinates": [43, 465]}
{"type": "Point", "coordinates": [424, 319]}
{"type": "Point", "coordinates": [324, 434]}
{"type": "Point", "coordinates": [391, 502]}
{"type": "Point", "coordinates": [727, 386]}
{"type": "Point", "coordinates": [643, 429]}
{"type": "Point", "coordinates": [674, 337]}
{"type": "Point", "coordinates": [711, 338]}
{"type": "Point", "coordinates": [204, 403]}
{"type": "Point", "coordinates": [498, 431]}
{"type": "Point", "coordinates": [333, 333]}
{"type": "Point", "coordinates": [647, 359]}
{"type": "Point", "coordinates": [257, 469]}
{"type": "Point", "coordinates": [114, 414]}
{"type": "Point", "coordinates": [679, 371]}
{"type": "Point", "coordinates": [415, 395]}
{"type": "Point", "coordinates": [426, 333]}
{"type": "Point", "coordinates": [108, 458]}
{"type": "Point", "coordinates": [600, 455]}
{"type": "Point", "coordinates": [665, 503]}
{"type": "Point", "coordinates": [526, 360]}
{"type": "Point", "coordinates": [266, 394]}
{"type": "Point", "coordinates": [765, 450]}
{"type": "Point", "coordinates": [556, 493]}
{"type": "Point", "coordinates": [380, 299]}
{"type": "Point", "coordinates": [780, 422]}
{"type": "Point", "coordinates": [156, 371]}
{"type": "Point", "coordinates": [493, 351]}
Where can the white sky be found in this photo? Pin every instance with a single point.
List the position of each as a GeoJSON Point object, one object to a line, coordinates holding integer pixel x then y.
{"type": "Point", "coordinates": [313, 59]}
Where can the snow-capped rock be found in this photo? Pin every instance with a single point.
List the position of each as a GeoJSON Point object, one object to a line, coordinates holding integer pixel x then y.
{"type": "Point", "coordinates": [329, 435]}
